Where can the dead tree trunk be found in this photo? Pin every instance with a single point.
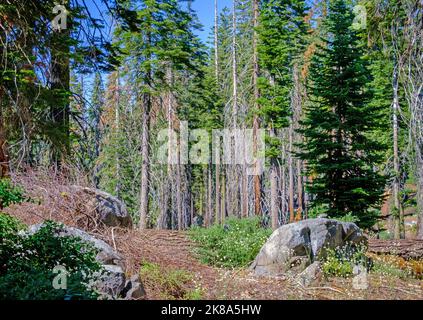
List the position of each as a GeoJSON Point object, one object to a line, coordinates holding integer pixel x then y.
{"type": "Point", "coordinates": [291, 175]}
{"type": "Point", "coordinates": [256, 120]}
{"type": "Point", "coordinates": [4, 155]}
{"type": "Point", "coordinates": [233, 181]}
{"type": "Point", "coordinates": [398, 216]}
{"type": "Point", "coordinates": [145, 150]}
{"type": "Point", "coordinates": [218, 208]}
{"type": "Point", "coordinates": [145, 166]}
{"type": "Point", "coordinates": [210, 194]}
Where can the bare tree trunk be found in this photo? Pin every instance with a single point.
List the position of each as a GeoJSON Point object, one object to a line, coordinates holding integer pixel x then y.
{"type": "Point", "coordinates": [216, 43]}
{"type": "Point", "coordinates": [234, 68]}
{"type": "Point", "coordinates": [216, 70]}
{"type": "Point", "coordinates": [206, 197]}
{"type": "Point", "coordinates": [398, 216]}
{"type": "Point", "coordinates": [145, 167]}
{"type": "Point", "coordinates": [117, 126]}
{"type": "Point", "coordinates": [179, 197]}
{"type": "Point", "coordinates": [223, 202]}
{"type": "Point", "coordinates": [291, 175]}
{"type": "Point", "coordinates": [210, 194]}
{"type": "Point", "coordinates": [233, 186]}
{"type": "Point", "coordinates": [256, 120]}
{"type": "Point", "coordinates": [413, 86]}
{"type": "Point", "coordinates": [192, 209]}
{"type": "Point", "coordinates": [145, 151]}
{"type": "Point", "coordinates": [300, 189]}
{"type": "Point", "coordinates": [283, 181]}
{"type": "Point", "coordinates": [297, 100]}
{"type": "Point", "coordinates": [4, 155]}
{"type": "Point", "coordinates": [244, 193]}
{"type": "Point", "coordinates": [274, 206]}
{"type": "Point", "coordinates": [218, 200]}
{"type": "Point", "coordinates": [420, 197]}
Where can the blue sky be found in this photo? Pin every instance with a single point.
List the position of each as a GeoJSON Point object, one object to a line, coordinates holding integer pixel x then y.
{"type": "Point", "coordinates": [205, 12]}
{"type": "Point", "coordinates": [203, 8]}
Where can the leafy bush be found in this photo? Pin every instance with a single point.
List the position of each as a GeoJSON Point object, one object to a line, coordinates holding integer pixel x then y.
{"type": "Point", "coordinates": [172, 283]}
{"type": "Point", "coordinates": [340, 262]}
{"type": "Point", "coordinates": [27, 263]}
{"type": "Point", "coordinates": [10, 194]}
{"type": "Point", "coordinates": [234, 245]}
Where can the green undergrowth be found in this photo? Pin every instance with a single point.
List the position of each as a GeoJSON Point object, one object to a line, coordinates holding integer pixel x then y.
{"type": "Point", "coordinates": [28, 264]}
{"type": "Point", "coordinates": [233, 245]}
{"type": "Point", "coordinates": [173, 284]}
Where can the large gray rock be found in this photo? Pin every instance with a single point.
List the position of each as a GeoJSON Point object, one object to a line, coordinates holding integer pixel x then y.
{"type": "Point", "coordinates": [304, 242]}
{"type": "Point", "coordinates": [111, 210]}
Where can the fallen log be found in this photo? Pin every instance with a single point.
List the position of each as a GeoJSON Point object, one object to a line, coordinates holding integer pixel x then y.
{"type": "Point", "coordinates": [407, 249]}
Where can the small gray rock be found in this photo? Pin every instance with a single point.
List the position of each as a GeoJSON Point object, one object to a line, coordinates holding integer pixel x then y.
{"type": "Point", "coordinates": [311, 274]}
{"type": "Point", "coordinates": [136, 292]}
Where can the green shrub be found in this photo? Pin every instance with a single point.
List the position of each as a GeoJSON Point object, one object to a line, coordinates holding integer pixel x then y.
{"type": "Point", "coordinates": [349, 218]}
{"type": "Point", "coordinates": [9, 239]}
{"type": "Point", "coordinates": [340, 262]}
{"type": "Point", "coordinates": [10, 194]}
{"type": "Point", "coordinates": [389, 270]}
{"type": "Point", "coordinates": [172, 283]}
{"type": "Point", "coordinates": [364, 222]}
{"type": "Point", "coordinates": [27, 263]}
{"type": "Point", "coordinates": [234, 245]}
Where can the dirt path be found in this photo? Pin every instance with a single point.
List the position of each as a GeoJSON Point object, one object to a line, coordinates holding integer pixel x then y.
{"type": "Point", "coordinates": [172, 250]}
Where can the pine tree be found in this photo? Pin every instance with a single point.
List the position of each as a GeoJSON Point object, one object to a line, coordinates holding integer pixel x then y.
{"type": "Point", "coordinates": [338, 148]}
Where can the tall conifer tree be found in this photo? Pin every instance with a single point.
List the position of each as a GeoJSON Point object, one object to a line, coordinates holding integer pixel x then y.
{"type": "Point", "coordinates": [338, 149]}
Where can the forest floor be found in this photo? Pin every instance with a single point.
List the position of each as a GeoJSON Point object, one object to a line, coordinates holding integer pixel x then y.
{"type": "Point", "coordinates": [177, 269]}
{"type": "Point", "coordinates": [172, 250]}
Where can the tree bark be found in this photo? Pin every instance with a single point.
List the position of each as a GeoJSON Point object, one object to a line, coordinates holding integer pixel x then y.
{"type": "Point", "coordinates": [117, 126]}
{"type": "Point", "coordinates": [399, 231]}
{"type": "Point", "coordinates": [4, 155]}
{"type": "Point", "coordinates": [233, 181]}
{"type": "Point", "coordinates": [256, 120]}
{"type": "Point", "coordinates": [223, 202]}
{"type": "Point", "coordinates": [300, 189]}
{"type": "Point", "coordinates": [210, 195]}
{"type": "Point", "coordinates": [145, 150]}
{"type": "Point", "coordinates": [420, 201]}
{"type": "Point", "coordinates": [217, 155]}
{"type": "Point", "coordinates": [283, 183]}
{"type": "Point", "coordinates": [218, 199]}
{"type": "Point", "coordinates": [145, 167]}
{"type": "Point", "coordinates": [291, 176]}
